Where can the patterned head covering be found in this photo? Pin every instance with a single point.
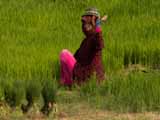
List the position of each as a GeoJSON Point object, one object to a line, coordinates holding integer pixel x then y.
{"type": "Point", "coordinates": [91, 11]}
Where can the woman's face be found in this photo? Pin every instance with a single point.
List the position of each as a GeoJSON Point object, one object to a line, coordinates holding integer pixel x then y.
{"type": "Point", "coordinates": [88, 24]}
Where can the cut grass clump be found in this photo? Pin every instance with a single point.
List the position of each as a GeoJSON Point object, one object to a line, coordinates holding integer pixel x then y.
{"type": "Point", "coordinates": [33, 92]}
{"type": "Point", "coordinates": [14, 92]}
{"type": "Point", "coordinates": [49, 92]}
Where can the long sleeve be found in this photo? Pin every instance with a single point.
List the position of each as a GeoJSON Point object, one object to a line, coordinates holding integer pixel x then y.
{"type": "Point", "coordinates": [99, 41]}
{"type": "Point", "coordinates": [76, 55]}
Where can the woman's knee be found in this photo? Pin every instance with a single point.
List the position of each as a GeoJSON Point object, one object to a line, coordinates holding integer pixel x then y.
{"type": "Point", "coordinates": [66, 55]}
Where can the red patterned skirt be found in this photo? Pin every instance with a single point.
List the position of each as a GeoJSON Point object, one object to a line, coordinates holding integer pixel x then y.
{"type": "Point", "coordinates": [82, 73]}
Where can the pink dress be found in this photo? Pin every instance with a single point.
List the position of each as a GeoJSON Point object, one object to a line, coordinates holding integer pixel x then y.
{"type": "Point", "coordinates": [67, 62]}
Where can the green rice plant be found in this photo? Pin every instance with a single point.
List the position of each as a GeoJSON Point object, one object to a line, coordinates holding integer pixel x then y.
{"type": "Point", "coordinates": [90, 87]}
{"type": "Point", "coordinates": [144, 56]}
{"type": "Point", "coordinates": [14, 92]}
{"type": "Point", "coordinates": [33, 89]}
{"type": "Point", "coordinates": [135, 56]}
{"type": "Point", "coordinates": [49, 92]}
{"type": "Point", "coordinates": [156, 58]}
{"type": "Point", "coordinates": [137, 92]}
{"type": "Point", "coordinates": [33, 92]}
{"type": "Point", "coordinates": [1, 90]}
{"type": "Point", "coordinates": [56, 70]}
{"type": "Point", "coordinates": [127, 57]}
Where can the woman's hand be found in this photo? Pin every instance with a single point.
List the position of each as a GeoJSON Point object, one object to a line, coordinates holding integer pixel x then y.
{"type": "Point", "coordinates": [97, 22]}
{"type": "Point", "coordinates": [104, 18]}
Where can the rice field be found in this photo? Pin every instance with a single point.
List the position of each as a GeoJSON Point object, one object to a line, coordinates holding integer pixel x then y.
{"type": "Point", "coordinates": [33, 33]}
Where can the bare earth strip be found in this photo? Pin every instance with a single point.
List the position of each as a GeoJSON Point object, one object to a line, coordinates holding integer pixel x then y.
{"type": "Point", "coordinates": [84, 112]}
{"type": "Point", "coordinates": [78, 111]}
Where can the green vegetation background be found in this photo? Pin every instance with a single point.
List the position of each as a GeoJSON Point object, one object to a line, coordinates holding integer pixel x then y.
{"type": "Point", "coordinates": [33, 32]}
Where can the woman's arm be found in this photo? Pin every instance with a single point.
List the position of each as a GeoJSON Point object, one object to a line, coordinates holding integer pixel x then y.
{"type": "Point", "coordinates": [99, 41]}
{"type": "Point", "coordinates": [76, 54]}
{"type": "Point", "coordinates": [99, 38]}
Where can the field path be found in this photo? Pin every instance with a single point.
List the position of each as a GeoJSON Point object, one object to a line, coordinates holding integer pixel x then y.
{"type": "Point", "coordinates": [89, 114]}
{"type": "Point", "coordinates": [80, 110]}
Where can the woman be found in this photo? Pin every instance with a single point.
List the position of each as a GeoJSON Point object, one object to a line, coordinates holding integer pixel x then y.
{"type": "Point", "coordinates": [88, 58]}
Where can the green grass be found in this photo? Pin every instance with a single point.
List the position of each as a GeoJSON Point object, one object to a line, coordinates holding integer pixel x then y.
{"type": "Point", "coordinates": [137, 92]}
{"type": "Point", "coordinates": [33, 32]}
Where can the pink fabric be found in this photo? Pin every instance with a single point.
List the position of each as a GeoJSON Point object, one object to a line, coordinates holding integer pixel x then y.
{"type": "Point", "coordinates": [98, 29]}
{"type": "Point", "coordinates": [67, 62]}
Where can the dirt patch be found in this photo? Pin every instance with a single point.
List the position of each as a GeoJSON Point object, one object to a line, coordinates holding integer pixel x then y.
{"type": "Point", "coordinates": [104, 115]}
{"type": "Point", "coordinates": [85, 112]}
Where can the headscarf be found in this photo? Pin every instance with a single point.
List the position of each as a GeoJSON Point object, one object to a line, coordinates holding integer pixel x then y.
{"type": "Point", "coordinates": [92, 11]}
